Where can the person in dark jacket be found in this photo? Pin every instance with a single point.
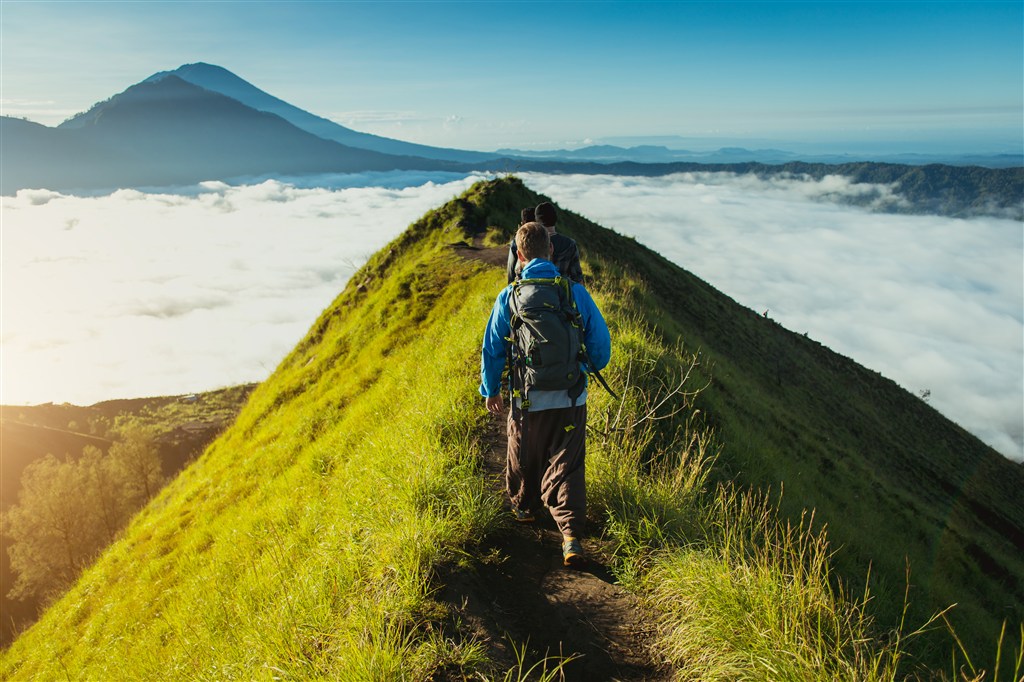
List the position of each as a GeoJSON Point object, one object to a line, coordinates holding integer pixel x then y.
{"type": "Point", "coordinates": [566, 256]}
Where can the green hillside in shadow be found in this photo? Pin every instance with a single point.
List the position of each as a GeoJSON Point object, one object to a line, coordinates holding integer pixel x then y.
{"type": "Point", "coordinates": [306, 542]}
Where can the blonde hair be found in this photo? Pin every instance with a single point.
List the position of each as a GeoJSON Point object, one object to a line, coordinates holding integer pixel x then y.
{"type": "Point", "coordinates": [532, 241]}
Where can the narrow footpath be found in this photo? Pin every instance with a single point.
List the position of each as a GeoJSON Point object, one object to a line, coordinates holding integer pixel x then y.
{"type": "Point", "coordinates": [521, 594]}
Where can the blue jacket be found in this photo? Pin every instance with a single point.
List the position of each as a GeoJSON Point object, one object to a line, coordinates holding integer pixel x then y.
{"type": "Point", "coordinates": [495, 345]}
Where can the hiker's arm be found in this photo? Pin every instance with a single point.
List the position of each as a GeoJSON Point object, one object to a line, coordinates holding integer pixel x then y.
{"type": "Point", "coordinates": [595, 329]}
{"type": "Point", "coordinates": [512, 262]}
{"type": "Point", "coordinates": [575, 269]}
{"type": "Point", "coordinates": [494, 348]}
{"type": "Point", "coordinates": [495, 405]}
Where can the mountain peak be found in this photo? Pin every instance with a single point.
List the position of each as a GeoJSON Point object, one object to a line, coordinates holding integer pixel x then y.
{"type": "Point", "coordinates": [220, 80]}
{"type": "Point", "coordinates": [195, 67]}
{"type": "Point", "coordinates": [168, 130]}
{"type": "Point", "coordinates": [201, 67]}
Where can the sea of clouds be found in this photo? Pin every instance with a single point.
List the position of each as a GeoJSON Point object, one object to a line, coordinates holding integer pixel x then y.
{"type": "Point", "coordinates": [169, 292]}
{"type": "Point", "coordinates": [935, 304]}
{"type": "Point", "coordinates": [142, 294]}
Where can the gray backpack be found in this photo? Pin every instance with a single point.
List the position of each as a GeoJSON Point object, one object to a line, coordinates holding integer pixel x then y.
{"type": "Point", "coordinates": [547, 339]}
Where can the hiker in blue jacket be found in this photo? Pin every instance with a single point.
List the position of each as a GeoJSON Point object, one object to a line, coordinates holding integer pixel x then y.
{"type": "Point", "coordinates": [546, 428]}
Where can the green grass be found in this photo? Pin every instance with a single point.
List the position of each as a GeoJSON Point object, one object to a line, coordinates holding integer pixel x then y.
{"type": "Point", "coordinates": [303, 544]}
{"type": "Point", "coordinates": [896, 483]}
{"type": "Point", "coordinates": [738, 593]}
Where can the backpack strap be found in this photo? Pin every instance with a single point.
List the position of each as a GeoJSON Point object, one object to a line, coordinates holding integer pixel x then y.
{"type": "Point", "coordinates": [597, 375]}
{"type": "Point", "coordinates": [584, 356]}
{"type": "Point", "coordinates": [514, 359]}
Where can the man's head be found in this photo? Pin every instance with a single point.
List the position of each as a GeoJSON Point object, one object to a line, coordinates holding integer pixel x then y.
{"type": "Point", "coordinates": [545, 215]}
{"type": "Point", "coordinates": [532, 241]}
{"type": "Point", "coordinates": [526, 216]}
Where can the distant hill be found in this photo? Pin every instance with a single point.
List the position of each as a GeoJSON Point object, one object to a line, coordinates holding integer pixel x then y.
{"type": "Point", "coordinates": [185, 422]}
{"type": "Point", "coordinates": [218, 79]}
{"type": "Point", "coordinates": [606, 153]}
{"type": "Point", "coordinates": [313, 536]}
{"type": "Point", "coordinates": [954, 191]}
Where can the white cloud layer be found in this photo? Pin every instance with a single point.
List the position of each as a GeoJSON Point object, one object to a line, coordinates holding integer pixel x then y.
{"type": "Point", "coordinates": [137, 294]}
{"type": "Point", "coordinates": [164, 293]}
{"type": "Point", "coordinates": [933, 303]}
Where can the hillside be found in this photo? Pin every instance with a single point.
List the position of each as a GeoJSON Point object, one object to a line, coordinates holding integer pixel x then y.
{"type": "Point", "coordinates": [648, 153]}
{"type": "Point", "coordinates": [185, 425]}
{"type": "Point", "coordinates": [32, 431]}
{"type": "Point", "coordinates": [316, 537]}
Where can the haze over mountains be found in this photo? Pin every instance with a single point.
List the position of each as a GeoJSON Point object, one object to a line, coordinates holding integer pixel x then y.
{"type": "Point", "coordinates": [201, 122]}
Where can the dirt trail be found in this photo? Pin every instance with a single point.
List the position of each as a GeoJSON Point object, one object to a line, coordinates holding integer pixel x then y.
{"type": "Point", "coordinates": [522, 594]}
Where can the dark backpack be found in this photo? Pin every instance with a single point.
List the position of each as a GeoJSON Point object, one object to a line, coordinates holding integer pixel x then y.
{"type": "Point", "coordinates": [546, 340]}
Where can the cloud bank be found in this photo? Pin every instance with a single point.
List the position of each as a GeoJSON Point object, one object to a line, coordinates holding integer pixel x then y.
{"type": "Point", "coordinates": [162, 293]}
{"type": "Point", "coordinates": [936, 304]}
{"type": "Point", "coordinates": [141, 294]}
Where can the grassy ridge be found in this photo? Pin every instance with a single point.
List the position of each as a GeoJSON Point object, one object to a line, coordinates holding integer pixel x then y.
{"type": "Point", "coordinates": [301, 544]}
{"type": "Point", "coordinates": [899, 485]}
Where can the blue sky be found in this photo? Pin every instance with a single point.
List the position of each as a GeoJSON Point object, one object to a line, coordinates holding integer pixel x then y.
{"type": "Point", "coordinates": [900, 76]}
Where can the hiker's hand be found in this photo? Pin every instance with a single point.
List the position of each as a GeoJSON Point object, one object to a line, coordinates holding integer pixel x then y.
{"type": "Point", "coordinates": [495, 405]}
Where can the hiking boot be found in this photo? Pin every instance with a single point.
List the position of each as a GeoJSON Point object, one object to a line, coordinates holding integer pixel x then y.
{"type": "Point", "coordinates": [523, 515]}
{"type": "Point", "coordinates": [572, 553]}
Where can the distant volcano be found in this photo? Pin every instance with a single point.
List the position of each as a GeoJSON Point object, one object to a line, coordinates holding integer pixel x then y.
{"type": "Point", "coordinates": [219, 79]}
{"type": "Point", "coordinates": [167, 131]}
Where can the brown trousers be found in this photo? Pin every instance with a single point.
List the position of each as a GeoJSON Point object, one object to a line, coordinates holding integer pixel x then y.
{"type": "Point", "coordinates": [548, 465]}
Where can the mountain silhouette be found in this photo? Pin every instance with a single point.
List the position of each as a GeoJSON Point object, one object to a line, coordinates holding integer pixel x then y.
{"type": "Point", "coordinates": [167, 132]}
{"type": "Point", "coordinates": [219, 79]}
{"type": "Point", "coordinates": [339, 525]}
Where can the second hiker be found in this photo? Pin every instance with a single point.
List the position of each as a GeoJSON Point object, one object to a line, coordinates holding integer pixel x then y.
{"type": "Point", "coordinates": [565, 254]}
{"type": "Point", "coordinates": [549, 332]}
